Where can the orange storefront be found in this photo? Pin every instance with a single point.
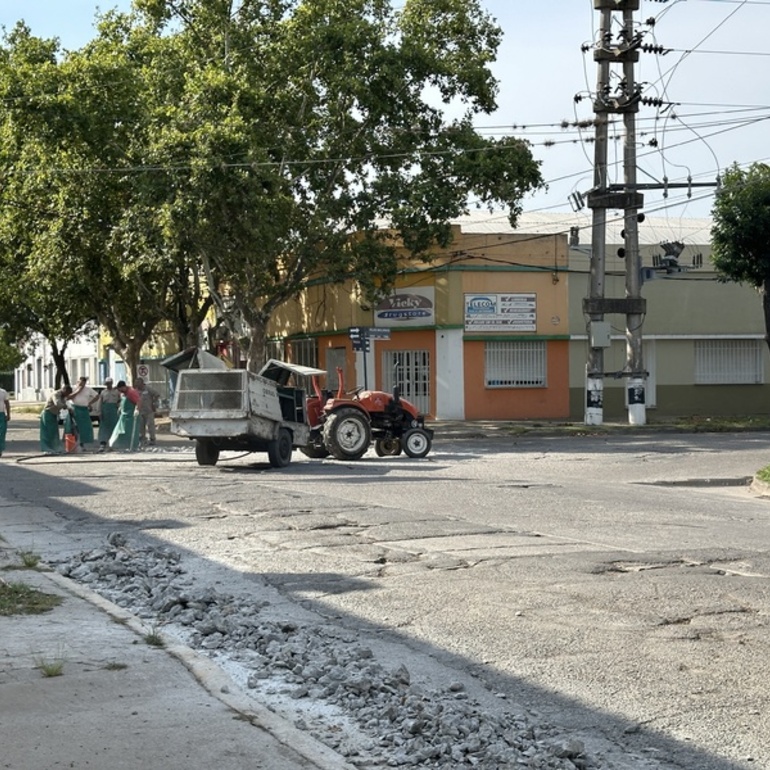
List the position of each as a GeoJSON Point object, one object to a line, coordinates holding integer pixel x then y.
{"type": "Point", "coordinates": [479, 333]}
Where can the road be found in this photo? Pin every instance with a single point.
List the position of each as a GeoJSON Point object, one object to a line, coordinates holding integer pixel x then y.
{"type": "Point", "coordinates": [617, 585]}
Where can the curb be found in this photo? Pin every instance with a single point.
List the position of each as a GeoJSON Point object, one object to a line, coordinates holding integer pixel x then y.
{"type": "Point", "coordinates": [216, 682]}
{"type": "Point", "coordinates": [759, 488]}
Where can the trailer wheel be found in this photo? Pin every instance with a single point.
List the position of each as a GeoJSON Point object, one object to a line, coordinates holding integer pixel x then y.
{"type": "Point", "coordinates": [347, 434]}
{"type": "Point", "coordinates": [417, 442]}
{"type": "Point", "coordinates": [205, 452]}
{"type": "Point", "coordinates": [387, 447]}
{"type": "Point", "coordinates": [279, 450]}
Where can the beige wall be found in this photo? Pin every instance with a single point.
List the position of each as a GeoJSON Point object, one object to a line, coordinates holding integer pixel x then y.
{"type": "Point", "coordinates": [480, 262]}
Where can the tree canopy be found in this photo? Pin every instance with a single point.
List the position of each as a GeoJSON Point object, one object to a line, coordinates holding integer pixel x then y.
{"type": "Point", "coordinates": [202, 146]}
{"type": "Point", "coordinates": [740, 236]}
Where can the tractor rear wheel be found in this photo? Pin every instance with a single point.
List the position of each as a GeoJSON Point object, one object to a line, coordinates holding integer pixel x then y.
{"type": "Point", "coordinates": [387, 447]}
{"type": "Point", "coordinates": [347, 434]}
{"type": "Point", "coordinates": [417, 442]}
{"type": "Point", "coordinates": [279, 450]}
{"type": "Point", "coordinates": [205, 452]}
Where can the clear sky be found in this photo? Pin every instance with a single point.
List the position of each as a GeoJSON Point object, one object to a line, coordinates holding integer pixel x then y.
{"type": "Point", "coordinates": [713, 79]}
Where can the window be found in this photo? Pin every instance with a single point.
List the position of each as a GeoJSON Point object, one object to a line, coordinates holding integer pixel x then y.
{"type": "Point", "coordinates": [305, 352]}
{"type": "Point", "coordinates": [275, 350]}
{"type": "Point", "coordinates": [515, 364]}
{"type": "Point", "coordinates": [728, 362]}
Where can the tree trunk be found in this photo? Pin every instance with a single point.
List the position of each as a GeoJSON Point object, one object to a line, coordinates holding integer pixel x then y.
{"type": "Point", "coordinates": [132, 355]}
{"type": "Point", "coordinates": [62, 375]}
{"type": "Point", "coordinates": [257, 354]}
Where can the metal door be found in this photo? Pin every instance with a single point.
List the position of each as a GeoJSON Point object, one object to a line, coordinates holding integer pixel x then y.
{"type": "Point", "coordinates": [410, 370]}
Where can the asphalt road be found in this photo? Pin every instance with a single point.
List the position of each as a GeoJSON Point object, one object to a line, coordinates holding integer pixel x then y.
{"type": "Point", "coordinates": [618, 585]}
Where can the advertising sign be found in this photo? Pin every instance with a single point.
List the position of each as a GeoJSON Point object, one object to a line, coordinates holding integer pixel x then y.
{"type": "Point", "coordinates": [501, 312]}
{"type": "Point", "coordinates": [407, 307]}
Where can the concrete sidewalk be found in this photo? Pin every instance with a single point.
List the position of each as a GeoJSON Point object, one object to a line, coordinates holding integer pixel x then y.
{"type": "Point", "coordinates": [121, 703]}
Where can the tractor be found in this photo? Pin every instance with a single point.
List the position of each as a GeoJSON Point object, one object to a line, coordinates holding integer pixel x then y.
{"type": "Point", "coordinates": [344, 424]}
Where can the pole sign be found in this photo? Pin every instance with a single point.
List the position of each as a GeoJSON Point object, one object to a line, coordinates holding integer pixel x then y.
{"type": "Point", "coordinates": [360, 336]}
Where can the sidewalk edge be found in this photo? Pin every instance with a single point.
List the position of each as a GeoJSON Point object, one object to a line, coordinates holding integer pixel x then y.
{"type": "Point", "coordinates": [217, 683]}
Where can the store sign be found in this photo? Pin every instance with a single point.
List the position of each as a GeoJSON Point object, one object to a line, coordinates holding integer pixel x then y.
{"type": "Point", "coordinates": [500, 312]}
{"type": "Point", "coordinates": [407, 307]}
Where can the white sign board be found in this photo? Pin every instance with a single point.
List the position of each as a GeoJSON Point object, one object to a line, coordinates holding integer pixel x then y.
{"type": "Point", "coordinates": [143, 371]}
{"type": "Point", "coordinates": [501, 312]}
{"type": "Point", "coordinates": [407, 307]}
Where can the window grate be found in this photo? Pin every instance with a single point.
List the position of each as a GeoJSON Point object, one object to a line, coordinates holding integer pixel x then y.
{"type": "Point", "coordinates": [305, 352]}
{"type": "Point", "coordinates": [515, 364]}
{"type": "Point", "coordinates": [728, 362]}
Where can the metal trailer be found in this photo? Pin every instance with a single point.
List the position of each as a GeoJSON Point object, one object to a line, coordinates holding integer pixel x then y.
{"type": "Point", "coordinates": [233, 409]}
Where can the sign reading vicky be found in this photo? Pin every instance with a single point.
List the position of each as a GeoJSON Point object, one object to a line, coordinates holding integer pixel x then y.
{"type": "Point", "coordinates": [407, 307]}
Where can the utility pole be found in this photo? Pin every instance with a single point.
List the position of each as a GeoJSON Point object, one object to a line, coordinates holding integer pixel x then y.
{"type": "Point", "coordinates": [637, 376]}
{"type": "Point", "coordinates": [624, 100]}
{"type": "Point", "coordinates": [622, 52]}
{"type": "Point", "coordinates": [594, 388]}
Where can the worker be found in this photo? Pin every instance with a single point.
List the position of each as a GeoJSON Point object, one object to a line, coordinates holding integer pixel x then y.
{"type": "Point", "coordinates": [81, 398]}
{"type": "Point", "coordinates": [149, 400]}
{"type": "Point", "coordinates": [50, 439]}
{"type": "Point", "coordinates": [124, 436]}
{"type": "Point", "coordinates": [5, 417]}
{"type": "Point", "coordinates": [107, 403]}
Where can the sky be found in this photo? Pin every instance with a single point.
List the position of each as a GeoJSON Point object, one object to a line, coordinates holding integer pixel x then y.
{"type": "Point", "coordinates": [713, 81]}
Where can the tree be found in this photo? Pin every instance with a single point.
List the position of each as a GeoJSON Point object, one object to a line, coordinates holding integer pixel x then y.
{"type": "Point", "coordinates": [740, 236]}
{"type": "Point", "coordinates": [303, 126]}
{"type": "Point", "coordinates": [40, 291]}
{"type": "Point", "coordinates": [81, 217]}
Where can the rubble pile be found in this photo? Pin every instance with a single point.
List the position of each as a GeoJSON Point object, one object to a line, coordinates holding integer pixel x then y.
{"type": "Point", "coordinates": [321, 675]}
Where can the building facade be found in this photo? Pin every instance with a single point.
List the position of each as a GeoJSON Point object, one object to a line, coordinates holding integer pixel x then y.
{"type": "Point", "coordinates": [481, 332]}
{"type": "Point", "coordinates": [493, 328]}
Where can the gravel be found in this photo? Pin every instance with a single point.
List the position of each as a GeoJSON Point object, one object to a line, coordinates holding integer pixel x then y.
{"type": "Point", "coordinates": [373, 710]}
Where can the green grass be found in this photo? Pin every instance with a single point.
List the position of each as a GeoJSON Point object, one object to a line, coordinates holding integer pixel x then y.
{"type": "Point", "coordinates": [154, 638]}
{"type": "Point", "coordinates": [29, 559]}
{"type": "Point", "coordinates": [763, 474]}
{"type": "Point", "coordinates": [20, 599]}
{"type": "Point", "coordinates": [722, 424]}
{"type": "Point", "coordinates": [52, 667]}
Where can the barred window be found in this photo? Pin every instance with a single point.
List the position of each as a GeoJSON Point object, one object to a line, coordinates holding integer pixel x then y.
{"type": "Point", "coordinates": [515, 364]}
{"type": "Point", "coordinates": [275, 349]}
{"type": "Point", "coordinates": [304, 351]}
{"type": "Point", "coordinates": [728, 362]}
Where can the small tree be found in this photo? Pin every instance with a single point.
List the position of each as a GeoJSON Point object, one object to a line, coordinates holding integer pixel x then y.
{"type": "Point", "coordinates": [740, 236]}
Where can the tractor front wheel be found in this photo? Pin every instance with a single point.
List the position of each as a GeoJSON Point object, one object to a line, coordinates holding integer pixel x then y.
{"type": "Point", "coordinates": [205, 452]}
{"type": "Point", "coordinates": [279, 450]}
{"type": "Point", "coordinates": [417, 442]}
{"type": "Point", "coordinates": [387, 447]}
{"type": "Point", "coordinates": [347, 434]}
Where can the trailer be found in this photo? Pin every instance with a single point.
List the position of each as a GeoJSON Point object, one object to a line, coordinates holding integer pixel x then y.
{"type": "Point", "coordinates": [233, 409]}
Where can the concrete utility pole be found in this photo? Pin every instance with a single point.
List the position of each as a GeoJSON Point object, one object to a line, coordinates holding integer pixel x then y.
{"type": "Point", "coordinates": [594, 405]}
{"type": "Point", "coordinates": [618, 51]}
{"type": "Point", "coordinates": [637, 376]}
{"type": "Point", "coordinates": [624, 100]}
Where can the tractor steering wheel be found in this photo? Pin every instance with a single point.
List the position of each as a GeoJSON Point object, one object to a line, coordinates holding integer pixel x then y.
{"type": "Point", "coordinates": [355, 391]}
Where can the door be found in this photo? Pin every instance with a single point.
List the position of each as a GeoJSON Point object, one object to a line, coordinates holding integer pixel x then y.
{"type": "Point", "coordinates": [410, 370]}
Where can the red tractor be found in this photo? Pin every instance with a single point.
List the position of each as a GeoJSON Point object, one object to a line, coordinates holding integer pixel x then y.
{"type": "Point", "coordinates": [345, 426]}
